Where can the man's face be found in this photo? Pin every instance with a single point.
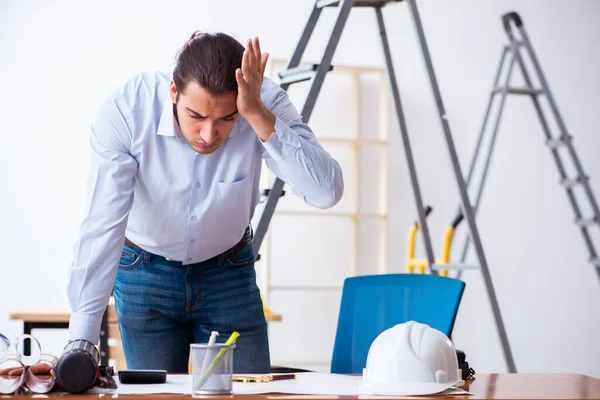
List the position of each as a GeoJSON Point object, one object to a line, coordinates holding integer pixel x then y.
{"type": "Point", "coordinates": [205, 120]}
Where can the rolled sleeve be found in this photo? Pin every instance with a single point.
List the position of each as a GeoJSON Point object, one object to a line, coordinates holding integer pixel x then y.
{"type": "Point", "coordinates": [283, 142]}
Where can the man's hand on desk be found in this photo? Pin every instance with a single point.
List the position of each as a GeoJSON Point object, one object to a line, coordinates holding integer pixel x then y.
{"type": "Point", "coordinates": [38, 369]}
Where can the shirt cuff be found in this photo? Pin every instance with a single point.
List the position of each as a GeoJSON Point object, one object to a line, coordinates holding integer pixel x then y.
{"type": "Point", "coordinates": [83, 326]}
{"type": "Point", "coordinates": [283, 142]}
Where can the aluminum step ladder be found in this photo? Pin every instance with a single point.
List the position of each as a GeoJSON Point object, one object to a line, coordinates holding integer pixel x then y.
{"type": "Point", "coordinates": [317, 73]}
{"type": "Point", "coordinates": [559, 143]}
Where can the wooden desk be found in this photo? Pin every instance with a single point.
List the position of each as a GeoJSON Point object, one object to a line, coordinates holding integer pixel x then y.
{"type": "Point", "coordinates": [485, 386]}
{"type": "Point", "coordinates": [34, 320]}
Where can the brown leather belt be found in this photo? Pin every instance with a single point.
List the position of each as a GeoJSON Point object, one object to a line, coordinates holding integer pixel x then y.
{"type": "Point", "coordinates": [245, 241]}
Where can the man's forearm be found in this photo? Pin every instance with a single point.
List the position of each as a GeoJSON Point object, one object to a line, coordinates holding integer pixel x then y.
{"type": "Point", "coordinates": [263, 123]}
{"type": "Point", "coordinates": [300, 160]}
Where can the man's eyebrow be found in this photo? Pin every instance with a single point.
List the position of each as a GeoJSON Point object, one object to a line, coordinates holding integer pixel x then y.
{"type": "Point", "coordinates": [230, 115]}
{"type": "Point", "coordinates": [202, 116]}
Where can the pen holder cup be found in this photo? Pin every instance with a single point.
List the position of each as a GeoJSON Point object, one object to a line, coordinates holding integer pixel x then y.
{"type": "Point", "coordinates": [212, 368]}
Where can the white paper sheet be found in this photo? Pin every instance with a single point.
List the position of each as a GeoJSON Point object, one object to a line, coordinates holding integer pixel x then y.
{"type": "Point", "coordinates": [305, 383]}
{"type": "Point", "coordinates": [179, 384]}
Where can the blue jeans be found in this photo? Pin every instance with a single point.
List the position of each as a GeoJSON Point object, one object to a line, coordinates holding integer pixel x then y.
{"type": "Point", "coordinates": [163, 306]}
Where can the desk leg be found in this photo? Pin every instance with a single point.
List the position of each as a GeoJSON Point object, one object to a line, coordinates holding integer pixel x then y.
{"type": "Point", "coordinates": [104, 339]}
{"type": "Point", "coordinates": [27, 328]}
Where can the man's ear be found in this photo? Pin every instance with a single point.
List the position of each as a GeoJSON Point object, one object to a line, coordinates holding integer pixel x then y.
{"type": "Point", "coordinates": [173, 91]}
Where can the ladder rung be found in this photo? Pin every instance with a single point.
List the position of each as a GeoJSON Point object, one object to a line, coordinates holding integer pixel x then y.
{"type": "Point", "coordinates": [569, 183]}
{"type": "Point", "coordinates": [297, 70]}
{"type": "Point", "coordinates": [514, 90]}
{"type": "Point", "coordinates": [327, 3]}
{"type": "Point", "coordinates": [296, 78]}
{"type": "Point", "coordinates": [357, 3]}
{"type": "Point", "coordinates": [298, 74]}
{"type": "Point", "coordinates": [585, 222]}
{"type": "Point", "coordinates": [453, 266]}
{"type": "Point", "coordinates": [529, 91]}
{"type": "Point", "coordinates": [562, 140]}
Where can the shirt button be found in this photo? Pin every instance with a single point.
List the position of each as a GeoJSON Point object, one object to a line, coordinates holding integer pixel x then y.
{"type": "Point", "coordinates": [189, 259]}
{"type": "Point", "coordinates": [192, 241]}
{"type": "Point", "coordinates": [194, 218]}
{"type": "Point", "coordinates": [197, 185]}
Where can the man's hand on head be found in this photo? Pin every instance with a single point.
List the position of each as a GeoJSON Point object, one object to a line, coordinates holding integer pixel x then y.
{"type": "Point", "coordinates": [250, 79]}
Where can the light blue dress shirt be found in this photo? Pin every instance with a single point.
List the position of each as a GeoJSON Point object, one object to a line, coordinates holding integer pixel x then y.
{"type": "Point", "coordinates": [147, 184]}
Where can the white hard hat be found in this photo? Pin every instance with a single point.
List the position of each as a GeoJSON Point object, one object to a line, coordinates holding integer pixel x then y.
{"type": "Point", "coordinates": [410, 359]}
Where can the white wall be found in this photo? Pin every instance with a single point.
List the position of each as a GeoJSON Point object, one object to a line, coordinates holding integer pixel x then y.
{"type": "Point", "coordinates": [58, 59]}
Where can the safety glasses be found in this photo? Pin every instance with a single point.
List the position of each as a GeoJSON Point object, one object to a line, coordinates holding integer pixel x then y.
{"type": "Point", "coordinates": [19, 356]}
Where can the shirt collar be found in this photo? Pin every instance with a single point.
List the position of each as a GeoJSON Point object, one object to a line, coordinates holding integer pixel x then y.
{"type": "Point", "coordinates": [168, 125]}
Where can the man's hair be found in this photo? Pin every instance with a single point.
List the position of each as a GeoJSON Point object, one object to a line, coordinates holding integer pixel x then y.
{"type": "Point", "coordinates": [209, 59]}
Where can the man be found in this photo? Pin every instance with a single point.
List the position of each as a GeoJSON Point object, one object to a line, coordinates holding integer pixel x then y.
{"type": "Point", "coordinates": [175, 180]}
